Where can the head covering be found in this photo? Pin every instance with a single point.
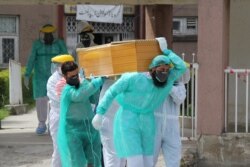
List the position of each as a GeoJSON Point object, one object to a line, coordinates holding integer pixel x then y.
{"type": "Point", "coordinates": [159, 60]}
{"type": "Point", "coordinates": [62, 58]}
{"type": "Point", "coordinates": [48, 28]}
{"type": "Point", "coordinates": [85, 27]}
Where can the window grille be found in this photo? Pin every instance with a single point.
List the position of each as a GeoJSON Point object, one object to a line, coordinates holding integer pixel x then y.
{"type": "Point", "coordinates": [8, 39]}
{"type": "Point", "coordinates": [191, 23]}
{"type": "Point", "coordinates": [8, 47]}
{"type": "Point", "coordinates": [125, 30]}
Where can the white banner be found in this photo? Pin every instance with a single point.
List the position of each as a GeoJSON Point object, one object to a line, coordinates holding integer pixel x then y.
{"type": "Point", "coordinates": [100, 13]}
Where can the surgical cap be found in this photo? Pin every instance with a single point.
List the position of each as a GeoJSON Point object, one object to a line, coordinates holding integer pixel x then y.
{"type": "Point", "coordinates": [159, 60]}
{"type": "Point", "coordinates": [48, 28]}
{"type": "Point", "coordinates": [85, 27]}
{"type": "Point", "coordinates": [62, 58]}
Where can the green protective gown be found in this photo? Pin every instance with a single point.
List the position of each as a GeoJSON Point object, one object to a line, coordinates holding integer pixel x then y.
{"type": "Point", "coordinates": [134, 125]}
{"type": "Point", "coordinates": [40, 61]}
{"type": "Point", "coordinates": [78, 142]}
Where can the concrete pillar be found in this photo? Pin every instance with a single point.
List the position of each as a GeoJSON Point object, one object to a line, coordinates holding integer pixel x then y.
{"type": "Point", "coordinates": [213, 49]}
{"type": "Point", "coordinates": [159, 22]}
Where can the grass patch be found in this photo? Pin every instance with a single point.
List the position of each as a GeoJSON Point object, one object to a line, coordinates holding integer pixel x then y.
{"type": "Point", "coordinates": [4, 113]}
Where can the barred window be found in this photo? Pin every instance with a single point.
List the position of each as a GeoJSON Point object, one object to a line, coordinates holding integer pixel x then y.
{"type": "Point", "coordinates": [8, 38]}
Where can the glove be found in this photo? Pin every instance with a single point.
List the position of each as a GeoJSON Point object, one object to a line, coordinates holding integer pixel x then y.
{"type": "Point", "coordinates": [26, 82]}
{"type": "Point", "coordinates": [97, 121]}
{"type": "Point", "coordinates": [91, 76]}
{"type": "Point", "coordinates": [81, 74]}
{"type": "Point", "coordinates": [162, 43]}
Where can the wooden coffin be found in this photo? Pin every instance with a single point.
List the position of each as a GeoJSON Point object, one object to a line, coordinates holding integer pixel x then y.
{"type": "Point", "coordinates": [118, 57]}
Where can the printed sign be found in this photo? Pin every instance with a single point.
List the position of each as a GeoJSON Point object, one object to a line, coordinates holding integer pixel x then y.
{"type": "Point", "coordinates": [100, 13]}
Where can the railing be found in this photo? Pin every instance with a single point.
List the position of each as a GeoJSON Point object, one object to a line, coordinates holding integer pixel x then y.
{"type": "Point", "coordinates": [236, 100]}
{"type": "Point", "coordinates": [188, 110]}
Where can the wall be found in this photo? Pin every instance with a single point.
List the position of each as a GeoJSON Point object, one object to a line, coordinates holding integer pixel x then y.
{"type": "Point", "coordinates": [31, 19]}
{"type": "Point", "coordinates": [187, 47]}
{"type": "Point", "coordinates": [228, 150]}
{"type": "Point", "coordinates": [239, 52]}
{"type": "Point", "coordinates": [213, 36]}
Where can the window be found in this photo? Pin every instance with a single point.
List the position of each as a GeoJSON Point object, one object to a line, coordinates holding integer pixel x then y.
{"type": "Point", "coordinates": [8, 38]}
{"type": "Point", "coordinates": [176, 25]}
{"type": "Point", "coordinates": [191, 24]}
{"type": "Point", "coordinates": [184, 26]}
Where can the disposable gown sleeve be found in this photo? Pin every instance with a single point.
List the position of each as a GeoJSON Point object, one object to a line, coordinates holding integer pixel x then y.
{"type": "Point", "coordinates": [95, 97]}
{"type": "Point", "coordinates": [120, 86]}
{"type": "Point", "coordinates": [179, 65]}
{"type": "Point", "coordinates": [85, 90]}
{"type": "Point", "coordinates": [63, 47]}
{"type": "Point", "coordinates": [178, 93]}
{"type": "Point", "coordinates": [31, 59]}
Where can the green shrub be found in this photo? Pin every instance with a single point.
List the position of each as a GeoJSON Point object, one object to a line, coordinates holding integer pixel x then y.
{"type": "Point", "coordinates": [4, 90]}
{"type": "Point", "coordinates": [3, 113]}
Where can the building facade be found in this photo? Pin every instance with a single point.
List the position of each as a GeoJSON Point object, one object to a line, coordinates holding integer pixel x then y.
{"type": "Point", "coordinates": [222, 41]}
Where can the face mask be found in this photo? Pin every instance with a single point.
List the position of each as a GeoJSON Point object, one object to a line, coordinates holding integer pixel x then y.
{"type": "Point", "coordinates": [85, 39]}
{"type": "Point", "coordinates": [161, 76]}
{"type": "Point", "coordinates": [48, 39]}
{"type": "Point", "coordinates": [73, 81]}
{"type": "Point", "coordinates": [156, 82]}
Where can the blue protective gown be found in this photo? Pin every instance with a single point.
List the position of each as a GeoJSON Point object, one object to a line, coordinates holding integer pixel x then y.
{"type": "Point", "coordinates": [40, 61]}
{"type": "Point", "coordinates": [78, 142]}
{"type": "Point", "coordinates": [134, 125]}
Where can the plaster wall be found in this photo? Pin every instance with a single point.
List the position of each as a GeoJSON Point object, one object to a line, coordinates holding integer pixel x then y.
{"type": "Point", "coordinates": [239, 58]}
{"type": "Point", "coordinates": [31, 19]}
{"type": "Point", "coordinates": [212, 58]}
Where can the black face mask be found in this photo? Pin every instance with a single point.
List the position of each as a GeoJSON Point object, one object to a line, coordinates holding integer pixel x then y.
{"type": "Point", "coordinates": [73, 81]}
{"type": "Point", "coordinates": [85, 40]}
{"type": "Point", "coordinates": [156, 81]}
{"type": "Point", "coordinates": [48, 39]}
{"type": "Point", "coordinates": [161, 76]}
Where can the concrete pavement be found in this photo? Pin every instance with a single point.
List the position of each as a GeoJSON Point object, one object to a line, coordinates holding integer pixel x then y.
{"type": "Point", "coordinates": [21, 147]}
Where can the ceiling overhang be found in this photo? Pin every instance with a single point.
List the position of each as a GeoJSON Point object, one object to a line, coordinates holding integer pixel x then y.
{"type": "Point", "coordinates": [100, 2]}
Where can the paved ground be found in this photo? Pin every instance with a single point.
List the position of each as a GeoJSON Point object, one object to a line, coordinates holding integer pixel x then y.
{"type": "Point", "coordinates": [21, 147]}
